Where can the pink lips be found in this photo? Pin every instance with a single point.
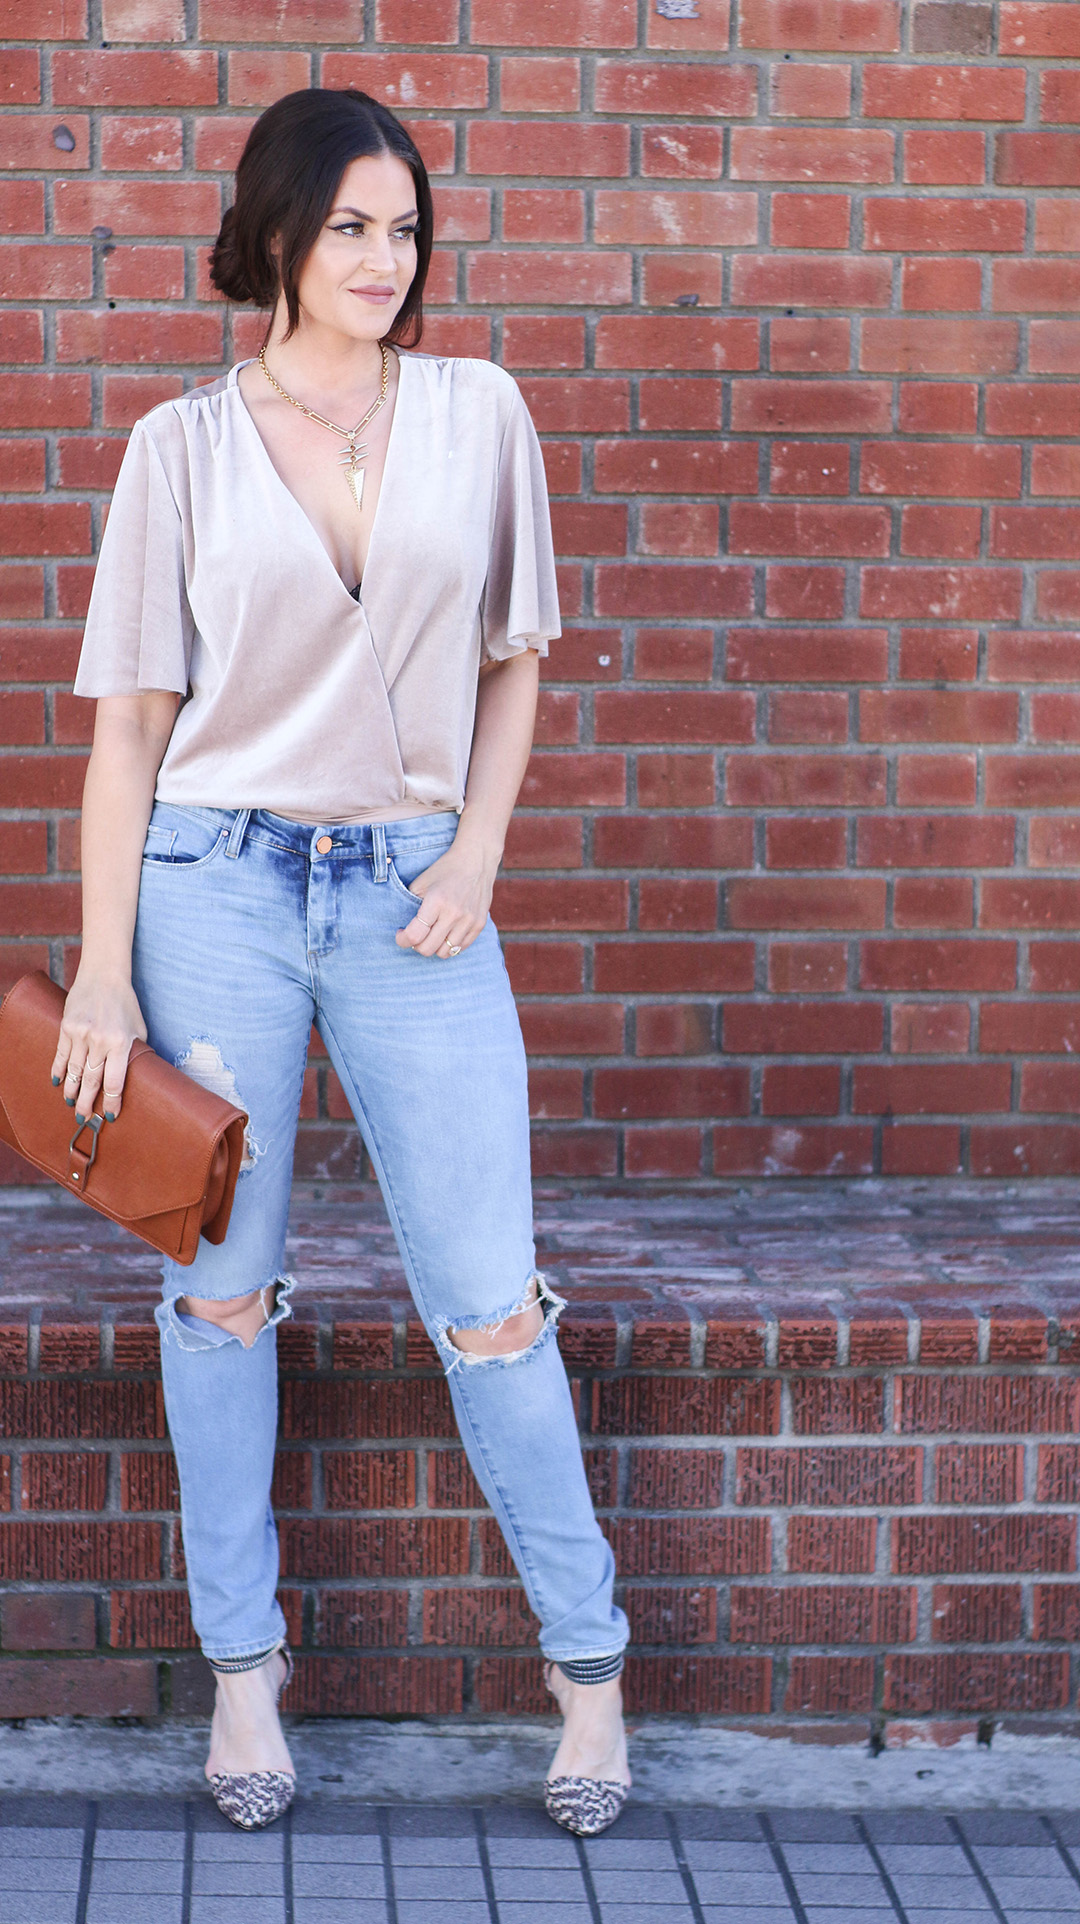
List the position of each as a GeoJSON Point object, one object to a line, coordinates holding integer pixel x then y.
{"type": "Point", "coordinates": [373, 293]}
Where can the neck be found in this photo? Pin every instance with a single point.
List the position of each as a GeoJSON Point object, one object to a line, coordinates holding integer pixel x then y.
{"type": "Point", "coordinates": [321, 361]}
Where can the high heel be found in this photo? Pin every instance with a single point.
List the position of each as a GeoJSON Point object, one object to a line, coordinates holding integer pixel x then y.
{"type": "Point", "coordinates": [252, 1799]}
{"type": "Point", "coordinates": [584, 1805]}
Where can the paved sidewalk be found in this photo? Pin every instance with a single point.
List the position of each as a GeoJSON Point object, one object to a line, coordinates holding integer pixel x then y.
{"type": "Point", "coordinates": [126, 1860]}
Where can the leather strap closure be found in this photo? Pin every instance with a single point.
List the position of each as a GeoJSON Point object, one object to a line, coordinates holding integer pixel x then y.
{"type": "Point", "coordinates": [80, 1162]}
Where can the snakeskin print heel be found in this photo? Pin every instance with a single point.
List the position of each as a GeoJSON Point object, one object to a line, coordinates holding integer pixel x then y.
{"type": "Point", "coordinates": [584, 1805]}
{"type": "Point", "coordinates": [254, 1798]}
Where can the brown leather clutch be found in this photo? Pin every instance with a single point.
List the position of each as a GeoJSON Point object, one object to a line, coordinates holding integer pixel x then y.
{"type": "Point", "coordinates": [166, 1168]}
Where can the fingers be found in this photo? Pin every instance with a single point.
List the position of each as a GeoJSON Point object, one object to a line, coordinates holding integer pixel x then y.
{"type": "Point", "coordinates": [86, 1065]}
{"type": "Point", "coordinates": [439, 931]}
{"type": "Point", "coordinates": [112, 1082]}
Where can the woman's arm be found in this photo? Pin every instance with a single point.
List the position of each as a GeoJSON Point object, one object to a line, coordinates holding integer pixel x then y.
{"type": "Point", "coordinates": [457, 888]}
{"type": "Point", "coordinates": [102, 1016]}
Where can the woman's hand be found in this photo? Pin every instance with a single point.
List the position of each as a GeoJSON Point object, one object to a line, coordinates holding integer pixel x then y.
{"type": "Point", "coordinates": [102, 1018]}
{"type": "Point", "coordinates": [456, 892]}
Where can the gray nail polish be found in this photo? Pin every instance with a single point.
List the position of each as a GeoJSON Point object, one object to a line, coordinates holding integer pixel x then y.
{"type": "Point", "coordinates": [56, 1082]}
{"type": "Point", "coordinates": [110, 1115]}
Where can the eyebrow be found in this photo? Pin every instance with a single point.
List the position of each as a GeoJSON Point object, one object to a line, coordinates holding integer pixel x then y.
{"type": "Point", "coordinates": [360, 215]}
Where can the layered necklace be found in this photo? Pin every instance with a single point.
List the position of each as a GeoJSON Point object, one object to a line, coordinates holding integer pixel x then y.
{"type": "Point", "coordinates": [354, 453]}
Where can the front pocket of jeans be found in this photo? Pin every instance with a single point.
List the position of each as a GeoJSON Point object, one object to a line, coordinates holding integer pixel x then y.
{"type": "Point", "coordinates": [403, 886]}
{"type": "Point", "coordinates": [172, 853]}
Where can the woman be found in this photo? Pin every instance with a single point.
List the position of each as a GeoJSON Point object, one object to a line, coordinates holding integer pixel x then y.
{"type": "Point", "coordinates": [314, 649]}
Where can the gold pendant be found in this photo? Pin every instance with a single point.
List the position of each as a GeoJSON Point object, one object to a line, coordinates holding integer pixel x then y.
{"type": "Point", "coordinates": [354, 473]}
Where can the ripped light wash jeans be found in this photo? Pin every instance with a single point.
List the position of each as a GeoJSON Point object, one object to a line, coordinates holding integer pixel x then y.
{"type": "Point", "coordinates": [245, 935]}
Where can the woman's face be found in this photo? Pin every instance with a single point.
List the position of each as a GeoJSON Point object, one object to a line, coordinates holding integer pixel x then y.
{"type": "Point", "coordinates": [362, 264]}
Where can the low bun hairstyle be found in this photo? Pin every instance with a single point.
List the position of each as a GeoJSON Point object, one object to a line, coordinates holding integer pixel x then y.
{"type": "Point", "coordinates": [286, 182]}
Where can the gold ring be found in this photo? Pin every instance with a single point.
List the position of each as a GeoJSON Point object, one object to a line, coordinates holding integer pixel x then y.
{"type": "Point", "coordinates": [451, 950]}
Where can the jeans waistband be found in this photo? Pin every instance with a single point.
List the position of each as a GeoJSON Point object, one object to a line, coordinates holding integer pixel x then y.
{"type": "Point", "coordinates": [373, 839]}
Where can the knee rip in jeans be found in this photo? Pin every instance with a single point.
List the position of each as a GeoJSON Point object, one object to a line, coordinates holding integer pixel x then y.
{"type": "Point", "coordinates": [536, 1291]}
{"type": "Point", "coordinates": [190, 1331]}
{"type": "Point", "coordinates": [205, 1064]}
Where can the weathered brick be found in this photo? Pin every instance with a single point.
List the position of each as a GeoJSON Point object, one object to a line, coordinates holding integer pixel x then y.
{"type": "Point", "coordinates": [995, 1545]}
{"type": "Point", "coordinates": [60, 1410]}
{"type": "Point", "coordinates": [367, 1619]}
{"type": "Point", "coordinates": [478, 1618]}
{"type": "Point", "coordinates": [1058, 1473]}
{"type": "Point", "coordinates": [676, 1479]}
{"type": "Point", "coordinates": [370, 1479]}
{"type": "Point", "coordinates": [736, 1685]}
{"type": "Point", "coordinates": [831, 1545]}
{"type": "Point", "coordinates": [671, 1613]}
{"type": "Point", "coordinates": [373, 1547]}
{"type": "Point", "coordinates": [688, 1545]}
{"type": "Point", "coordinates": [979, 1472]}
{"type": "Point", "coordinates": [984, 1681]}
{"type": "Point", "coordinates": [830, 1684]}
{"type": "Point", "coordinates": [670, 1406]}
{"type": "Point", "coordinates": [149, 1480]}
{"type": "Point", "coordinates": [366, 1686]}
{"type": "Point", "coordinates": [977, 1613]}
{"type": "Point", "coordinates": [777, 1478]}
{"type": "Point", "coordinates": [343, 1409]}
{"type": "Point", "coordinates": [47, 1620]}
{"type": "Point", "coordinates": [823, 1613]}
{"type": "Point", "coordinates": [78, 1687]}
{"type": "Point", "coordinates": [1006, 1405]}
{"type": "Point", "coordinates": [79, 1552]}
{"type": "Point", "coordinates": [1056, 1612]}
{"type": "Point", "coordinates": [151, 1620]}
{"type": "Point", "coordinates": [64, 1481]}
{"type": "Point", "coordinates": [451, 1483]}
{"type": "Point", "coordinates": [834, 1406]}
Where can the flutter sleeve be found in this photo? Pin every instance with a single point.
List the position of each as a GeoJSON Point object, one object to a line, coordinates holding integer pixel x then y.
{"type": "Point", "coordinates": [520, 608]}
{"type": "Point", "coordinates": [139, 627]}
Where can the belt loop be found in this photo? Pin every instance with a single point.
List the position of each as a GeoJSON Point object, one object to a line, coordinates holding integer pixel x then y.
{"type": "Point", "coordinates": [378, 851]}
{"type": "Point", "coordinates": [237, 832]}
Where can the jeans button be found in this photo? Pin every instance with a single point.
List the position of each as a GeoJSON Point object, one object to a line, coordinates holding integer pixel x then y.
{"type": "Point", "coordinates": [324, 844]}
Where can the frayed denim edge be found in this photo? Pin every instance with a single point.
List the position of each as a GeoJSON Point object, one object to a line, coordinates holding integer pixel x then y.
{"type": "Point", "coordinates": [187, 1332]}
{"type": "Point", "coordinates": [454, 1358]}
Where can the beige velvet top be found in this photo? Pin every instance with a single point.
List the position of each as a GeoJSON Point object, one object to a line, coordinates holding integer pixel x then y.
{"type": "Point", "coordinates": [213, 582]}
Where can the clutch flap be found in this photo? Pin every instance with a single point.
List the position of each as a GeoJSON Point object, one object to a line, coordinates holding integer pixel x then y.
{"type": "Point", "coordinates": [156, 1157]}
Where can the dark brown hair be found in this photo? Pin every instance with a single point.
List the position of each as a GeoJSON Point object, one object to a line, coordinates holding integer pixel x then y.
{"type": "Point", "coordinates": [286, 182]}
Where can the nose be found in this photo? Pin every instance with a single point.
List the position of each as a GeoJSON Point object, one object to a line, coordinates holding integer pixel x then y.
{"type": "Point", "coordinates": [379, 255]}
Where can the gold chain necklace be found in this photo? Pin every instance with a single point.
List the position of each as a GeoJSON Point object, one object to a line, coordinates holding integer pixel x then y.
{"type": "Point", "coordinates": [351, 456]}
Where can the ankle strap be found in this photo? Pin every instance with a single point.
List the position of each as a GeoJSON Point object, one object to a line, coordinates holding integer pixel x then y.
{"type": "Point", "coordinates": [591, 1670]}
{"type": "Point", "coordinates": [232, 1666]}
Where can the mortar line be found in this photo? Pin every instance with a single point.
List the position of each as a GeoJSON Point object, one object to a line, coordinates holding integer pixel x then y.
{"type": "Point", "coordinates": [973, 1864]}
{"type": "Point", "coordinates": [684, 1869]}
{"type": "Point", "coordinates": [886, 1881]}
{"type": "Point", "coordinates": [287, 1866]}
{"type": "Point", "coordinates": [1060, 1848]}
{"type": "Point", "coordinates": [86, 1867]}
{"type": "Point", "coordinates": [485, 1863]}
{"type": "Point", "coordinates": [388, 1866]}
{"type": "Point", "coordinates": [189, 1863]}
{"type": "Point", "coordinates": [586, 1877]}
{"type": "Point", "coordinates": [780, 1861]}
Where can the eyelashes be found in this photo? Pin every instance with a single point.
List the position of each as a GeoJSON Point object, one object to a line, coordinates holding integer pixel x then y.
{"type": "Point", "coordinates": [355, 227]}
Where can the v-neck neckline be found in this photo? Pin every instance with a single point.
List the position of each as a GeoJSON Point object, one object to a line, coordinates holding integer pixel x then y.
{"type": "Point", "coordinates": [356, 599]}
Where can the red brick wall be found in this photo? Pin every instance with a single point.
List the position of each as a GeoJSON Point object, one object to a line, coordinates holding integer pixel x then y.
{"type": "Point", "coordinates": [815, 1521]}
{"type": "Point", "coordinates": [806, 754]}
